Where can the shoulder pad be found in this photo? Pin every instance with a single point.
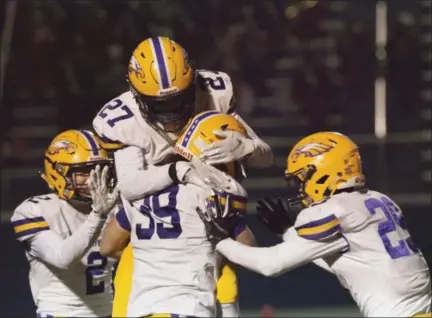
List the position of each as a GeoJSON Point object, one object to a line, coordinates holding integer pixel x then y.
{"type": "Point", "coordinates": [313, 223]}
{"type": "Point", "coordinates": [117, 125]}
{"type": "Point", "coordinates": [28, 218]}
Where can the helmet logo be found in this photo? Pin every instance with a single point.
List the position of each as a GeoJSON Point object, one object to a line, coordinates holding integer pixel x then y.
{"type": "Point", "coordinates": [135, 67]}
{"type": "Point", "coordinates": [67, 146]}
{"type": "Point", "coordinates": [311, 150]}
{"type": "Point", "coordinates": [168, 91]}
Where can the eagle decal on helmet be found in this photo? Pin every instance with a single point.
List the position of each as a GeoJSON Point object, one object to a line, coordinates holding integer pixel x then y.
{"type": "Point", "coordinates": [67, 146]}
{"type": "Point", "coordinates": [311, 150]}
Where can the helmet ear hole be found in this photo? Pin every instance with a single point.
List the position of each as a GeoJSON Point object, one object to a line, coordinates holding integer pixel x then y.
{"type": "Point", "coordinates": [322, 180]}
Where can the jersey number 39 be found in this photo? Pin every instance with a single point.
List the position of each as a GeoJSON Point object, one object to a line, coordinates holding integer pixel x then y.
{"type": "Point", "coordinates": [394, 223]}
{"type": "Point", "coordinates": [170, 227]}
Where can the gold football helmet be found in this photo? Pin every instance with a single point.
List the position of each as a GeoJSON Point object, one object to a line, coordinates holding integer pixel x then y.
{"type": "Point", "coordinates": [200, 132]}
{"type": "Point", "coordinates": [69, 159]}
{"type": "Point", "coordinates": [162, 82]}
{"type": "Point", "coordinates": [322, 163]}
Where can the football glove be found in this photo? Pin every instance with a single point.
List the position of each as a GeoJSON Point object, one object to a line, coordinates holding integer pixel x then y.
{"type": "Point", "coordinates": [233, 147]}
{"type": "Point", "coordinates": [103, 200]}
{"type": "Point", "coordinates": [278, 215]}
{"type": "Point", "coordinates": [200, 174]}
{"type": "Point", "coordinates": [220, 223]}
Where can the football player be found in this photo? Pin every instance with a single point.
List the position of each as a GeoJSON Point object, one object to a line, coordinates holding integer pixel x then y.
{"type": "Point", "coordinates": [143, 124]}
{"type": "Point", "coordinates": [60, 231]}
{"type": "Point", "coordinates": [355, 233]}
{"type": "Point", "coordinates": [175, 264]}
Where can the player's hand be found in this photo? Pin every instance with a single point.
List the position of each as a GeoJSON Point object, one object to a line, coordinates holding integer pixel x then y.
{"type": "Point", "coordinates": [204, 176]}
{"type": "Point", "coordinates": [233, 147]}
{"type": "Point", "coordinates": [219, 221]}
{"type": "Point", "coordinates": [278, 215]}
{"type": "Point", "coordinates": [103, 200]}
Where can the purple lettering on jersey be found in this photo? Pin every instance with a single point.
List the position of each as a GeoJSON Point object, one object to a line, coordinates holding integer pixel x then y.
{"type": "Point", "coordinates": [174, 229]}
{"type": "Point", "coordinates": [116, 103]}
{"type": "Point", "coordinates": [393, 218]}
{"type": "Point", "coordinates": [96, 264]}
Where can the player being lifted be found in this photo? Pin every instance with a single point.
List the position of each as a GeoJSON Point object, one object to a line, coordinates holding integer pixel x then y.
{"type": "Point", "coordinates": [60, 231]}
{"type": "Point", "coordinates": [355, 233]}
{"type": "Point", "coordinates": [175, 265]}
{"type": "Point", "coordinates": [165, 92]}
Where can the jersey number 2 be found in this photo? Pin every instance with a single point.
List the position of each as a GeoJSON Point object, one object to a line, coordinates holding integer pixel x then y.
{"type": "Point", "coordinates": [174, 229]}
{"type": "Point", "coordinates": [216, 83]}
{"type": "Point", "coordinates": [394, 220]}
{"type": "Point", "coordinates": [95, 267]}
{"type": "Point", "coordinates": [125, 112]}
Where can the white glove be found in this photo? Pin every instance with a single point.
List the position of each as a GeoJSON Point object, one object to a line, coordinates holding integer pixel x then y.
{"type": "Point", "coordinates": [233, 147]}
{"type": "Point", "coordinates": [204, 176]}
{"type": "Point", "coordinates": [103, 200]}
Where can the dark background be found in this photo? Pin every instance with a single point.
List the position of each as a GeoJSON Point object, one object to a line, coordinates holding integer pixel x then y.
{"type": "Point", "coordinates": [297, 66]}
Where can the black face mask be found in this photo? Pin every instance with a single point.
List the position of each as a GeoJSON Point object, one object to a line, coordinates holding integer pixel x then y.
{"type": "Point", "coordinates": [81, 190]}
{"type": "Point", "coordinates": [296, 185]}
{"type": "Point", "coordinates": [173, 111]}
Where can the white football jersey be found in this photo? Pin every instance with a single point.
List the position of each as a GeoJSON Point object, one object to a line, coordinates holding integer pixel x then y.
{"type": "Point", "coordinates": [384, 271]}
{"type": "Point", "coordinates": [121, 121]}
{"type": "Point", "coordinates": [175, 266]}
{"type": "Point", "coordinates": [83, 289]}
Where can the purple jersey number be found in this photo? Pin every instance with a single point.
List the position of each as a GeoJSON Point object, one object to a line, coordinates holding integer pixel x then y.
{"type": "Point", "coordinates": [394, 219]}
{"type": "Point", "coordinates": [96, 266]}
{"type": "Point", "coordinates": [174, 229]}
{"type": "Point", "coordinates": [113, 105]}
{"type": "Point", "coordinates": [217, 83]}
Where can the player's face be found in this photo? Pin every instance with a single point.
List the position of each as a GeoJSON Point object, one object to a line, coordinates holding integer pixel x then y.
{"type": "Point", "coordinates": [80, 183]}
{"type": "Point", "coordinates": [296, 184]}
{"type": "Point", "coordinates": [172, 112]}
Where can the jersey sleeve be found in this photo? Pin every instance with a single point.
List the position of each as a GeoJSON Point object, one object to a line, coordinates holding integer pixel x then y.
{"type": "Point", "coordinates": [262, 156]}
{"type": "Point", "coordinates": [219, 88]}
{"type": "Point", "coordinates": [116, 124]}
{"type": "Point", "coordinates": [123, 219]}
{"type": "Point", "coordinates": [28, 221]}
{"type": "Point", "coordinates": [136, 178]}
{"type": "Point", "coordinates": [316, 224]}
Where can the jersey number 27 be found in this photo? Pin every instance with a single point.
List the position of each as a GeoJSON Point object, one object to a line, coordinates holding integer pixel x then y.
{"type": "Point", "coordinates": [169, 229]}
{"type": "Point", "coordinates": [394, 222]}
{"type": "Point", "coordinates": [115, 111]}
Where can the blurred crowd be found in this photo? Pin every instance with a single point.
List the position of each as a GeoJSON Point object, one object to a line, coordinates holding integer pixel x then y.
{"type": "Point", "coordinates": [308, 57]}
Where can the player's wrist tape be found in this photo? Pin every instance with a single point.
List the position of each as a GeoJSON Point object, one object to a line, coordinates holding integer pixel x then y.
{"type": "Point", "coordinates": [172, 172]}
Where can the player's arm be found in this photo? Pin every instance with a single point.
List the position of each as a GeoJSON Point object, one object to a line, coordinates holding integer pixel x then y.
{"type": "Point", "coordinates": [315, 234]}
{"type": "Point", "coordinates": [246, 237]}
{"type": "Point", "coordinates": [135, 178]}
{"type": "Point", "coordinates": [275, 260]}
{"type": "Point", "coordinates": [320, 262]}
{"type": "Point", "coordinates": [234, 146]}
{"type": "Point", "coordinates": [116, 235]}
{"type": "Point", "coordinates": [32, 229]}
{"type": "Point", "coordinates": [261, 155]}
